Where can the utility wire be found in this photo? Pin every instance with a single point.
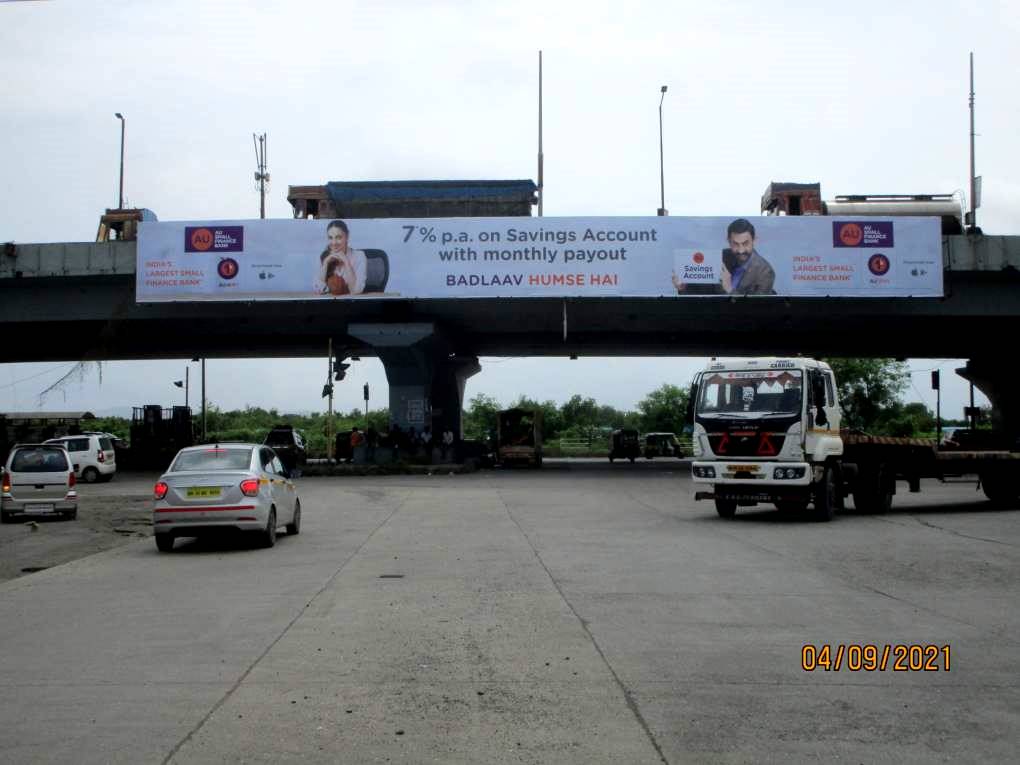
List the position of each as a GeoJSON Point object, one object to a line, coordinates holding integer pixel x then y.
{"type": "Point", "coordinates": [26, 379]}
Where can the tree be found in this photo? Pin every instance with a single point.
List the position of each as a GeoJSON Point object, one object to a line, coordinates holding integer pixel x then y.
{"type": "Point", "coordinates": [664, 409]}
{"type": "Point", "coordinates": [552, 420]}
{"type": "Point", "coordinates": [867, 387]}
{"type": "Point", "coordinates": [904, 420]}
{"type": "Point", "coordinates": [480, 417]}
{"type": "Point", "coordinates": [581, 415]}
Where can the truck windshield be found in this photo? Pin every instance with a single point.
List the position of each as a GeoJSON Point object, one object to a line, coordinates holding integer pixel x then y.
{"type": "Point", "coordinates": [750, 392]}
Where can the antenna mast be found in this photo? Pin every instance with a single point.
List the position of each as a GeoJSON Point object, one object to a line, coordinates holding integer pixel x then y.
{"type": "Point", "coordinates": [261, 176]}
{"type": "Point", "coordinates": [541, 158]}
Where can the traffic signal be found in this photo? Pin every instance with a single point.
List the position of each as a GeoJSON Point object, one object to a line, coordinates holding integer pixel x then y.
{"type": "Point", "coordinates": [935, 379]}
{"type": "Point", "coordinates": [340, 370]}
{"type": "Point", "coordinates": [365, 390]}
{"type": "Point", "coordinates": [327, 390]}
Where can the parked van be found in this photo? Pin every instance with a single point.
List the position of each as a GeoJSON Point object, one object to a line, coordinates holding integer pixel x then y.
{"type": "Point", "coordinates": [93, 457]}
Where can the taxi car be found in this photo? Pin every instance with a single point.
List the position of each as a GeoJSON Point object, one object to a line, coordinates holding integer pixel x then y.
{"type": "Point", "coordinates": [216, 488]}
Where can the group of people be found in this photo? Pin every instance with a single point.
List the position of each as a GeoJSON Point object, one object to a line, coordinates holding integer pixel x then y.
{"type": "Point", "coordinates": [408, 441]}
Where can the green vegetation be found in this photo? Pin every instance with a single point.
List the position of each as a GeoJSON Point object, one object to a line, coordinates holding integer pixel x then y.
{"type": "Point", "coordinates": [869, 390]}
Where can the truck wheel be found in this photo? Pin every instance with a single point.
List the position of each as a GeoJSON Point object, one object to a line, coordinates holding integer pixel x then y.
{"type": "Point", "coordinates": [999, 489]}
{"type": "Point", "coordinates": [826, 499]}
{"type": "Point", "coordinates": [726, 508]}
{"type": "Point", "coordinates": [873, 491]}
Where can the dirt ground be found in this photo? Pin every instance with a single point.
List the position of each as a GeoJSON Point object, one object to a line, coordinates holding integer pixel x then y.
{"type": "Point", "coordinates": [108, 515]}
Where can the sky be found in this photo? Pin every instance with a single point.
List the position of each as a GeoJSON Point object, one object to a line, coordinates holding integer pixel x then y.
{"type": "Point", "coordinates": [869, 97]}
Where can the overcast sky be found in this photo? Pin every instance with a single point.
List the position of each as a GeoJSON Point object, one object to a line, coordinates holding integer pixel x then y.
{"type": "Point", "coordinates": [864, 97]}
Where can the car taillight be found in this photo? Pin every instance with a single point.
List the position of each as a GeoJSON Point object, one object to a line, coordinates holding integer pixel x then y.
{"type": "Point", "coordinates": [160, 490]}
{"type": "Point", "coordinates": [250, 487]}
{"type": "Point", "coordinates": [71, 480]}
{"type": "Point", "coordinates": [6, 482]}
{"type": "Point", "coordinates": [100, 457]}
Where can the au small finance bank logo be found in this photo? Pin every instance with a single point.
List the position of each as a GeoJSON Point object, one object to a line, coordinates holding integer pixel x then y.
{"type": "Point", "coordinates": [201, 239]}
{"type": "Point", "coordinates": [214, 239]}
{"type": "Point", "coordinates": [850, 234]}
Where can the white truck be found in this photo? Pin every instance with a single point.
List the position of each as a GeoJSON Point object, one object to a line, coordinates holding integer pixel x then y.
{"type": "Point", "coordinates": [767, 430]}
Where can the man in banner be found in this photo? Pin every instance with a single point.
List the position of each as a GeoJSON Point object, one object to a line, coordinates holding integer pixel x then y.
{"type": "Point", "coordinates": [744, 271]}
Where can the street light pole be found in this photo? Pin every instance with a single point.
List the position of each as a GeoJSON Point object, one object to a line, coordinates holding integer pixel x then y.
{"type": "Point", "coordinates": [120, 201]}
{"type": "Point", "coordinates": [662, 169]}
{"type": "Point", "coordinates": [203, 399]}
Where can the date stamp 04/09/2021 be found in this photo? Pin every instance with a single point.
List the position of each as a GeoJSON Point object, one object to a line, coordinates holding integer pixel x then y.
{"type": "Point", "coordinates": [869, 657]}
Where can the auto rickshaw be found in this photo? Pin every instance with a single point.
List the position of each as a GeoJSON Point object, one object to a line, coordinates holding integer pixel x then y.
{"type": "Point", "coordinates": [625, 445]}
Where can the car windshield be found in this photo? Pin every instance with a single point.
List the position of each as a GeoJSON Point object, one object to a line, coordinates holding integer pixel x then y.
{"type": "Point", "coordinates": [212, 459]}
{"type": "Point", "coordinates": [39, 460]}
{"type": "Point", "coordinates": [751, 392]}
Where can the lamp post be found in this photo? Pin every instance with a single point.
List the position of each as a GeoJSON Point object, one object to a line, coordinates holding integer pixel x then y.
{"type": "Point", "coordinates": [185, 383]}
{"type": "Point", "coordinates": [120, 201]}
{"type": "Point", "coordinates": [203, 395]}
{"type": "Point", "coordinates": [662, 169]}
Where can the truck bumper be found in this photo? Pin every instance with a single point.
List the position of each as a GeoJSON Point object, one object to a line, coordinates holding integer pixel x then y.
{"type": "Point", "coordinates": [766, 475]}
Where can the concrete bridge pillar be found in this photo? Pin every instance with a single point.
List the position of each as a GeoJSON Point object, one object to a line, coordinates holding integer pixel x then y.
{"type": "Point", "coordinates": [426, 380]}
{"type": "Point", "coordinates": [998, 382]}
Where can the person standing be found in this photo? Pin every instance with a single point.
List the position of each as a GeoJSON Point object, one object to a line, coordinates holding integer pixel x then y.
{"type": "Point", "coordinates": [447, 443]}
{"type": "Point", "coordinates": [356, 440]}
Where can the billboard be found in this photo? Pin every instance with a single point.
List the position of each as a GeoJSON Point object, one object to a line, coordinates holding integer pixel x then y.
{"type": "Point", "coordinates": [444, 258]}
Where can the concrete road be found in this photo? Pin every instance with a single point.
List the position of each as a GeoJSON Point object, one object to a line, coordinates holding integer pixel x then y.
{"type": "Point", "coordinates": [586, 613]}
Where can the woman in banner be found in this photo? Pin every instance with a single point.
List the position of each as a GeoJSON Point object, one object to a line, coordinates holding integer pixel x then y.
{"type": "Point", "coordinates": [341, 269]}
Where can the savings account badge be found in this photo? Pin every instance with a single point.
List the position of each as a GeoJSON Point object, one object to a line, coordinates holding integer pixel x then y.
{"type": "Point", "coordinates": [697, 266]}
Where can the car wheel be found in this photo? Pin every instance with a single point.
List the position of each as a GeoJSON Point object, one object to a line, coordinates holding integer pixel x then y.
{"type": "Point", "coordinates": [90, 475]}
{"type": "Point", "coordinates": [294, 527]}
{"type": "Point", "coordinates": [164, 542]}
{"type": "Point", "coordinates": [268, 535]}
{"type": "Point", "coordinates": [6, 518]}
{"type": "Point", "coordinates": [71, 516]}
{"type": "Point", "coordinates": [726, 508]}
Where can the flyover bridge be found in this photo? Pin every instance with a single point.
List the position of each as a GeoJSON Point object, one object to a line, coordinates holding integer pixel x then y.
{"type": "Point", "coordinates": [68, 301]}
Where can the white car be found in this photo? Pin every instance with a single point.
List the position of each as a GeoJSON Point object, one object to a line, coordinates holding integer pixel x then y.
{"type": "Point", "coordinates": [93, 456]}
{"type": "Point", "coordinates": [212, 488]}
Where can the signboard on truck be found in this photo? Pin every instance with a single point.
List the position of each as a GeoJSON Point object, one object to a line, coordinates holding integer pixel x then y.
{"type": "Point", "coordinates": [444, 258]}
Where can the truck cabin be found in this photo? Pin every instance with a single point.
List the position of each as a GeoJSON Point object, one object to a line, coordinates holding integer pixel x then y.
{"type": "Point", "coordinates": [763, 392]}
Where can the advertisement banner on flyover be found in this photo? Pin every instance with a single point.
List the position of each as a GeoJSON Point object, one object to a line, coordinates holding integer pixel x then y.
{"type": "Point", "coordinates": [443, 258]}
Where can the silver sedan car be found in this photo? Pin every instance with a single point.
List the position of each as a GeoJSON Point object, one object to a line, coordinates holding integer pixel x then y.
{"type": "Point", "coordinates": [212, 488]}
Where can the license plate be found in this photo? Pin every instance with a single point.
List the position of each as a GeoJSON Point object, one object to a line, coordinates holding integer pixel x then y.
{"type": "Point", "coordinates": [743, 468]}
{"type": "Point", "coordinates": [39, 508]}
{"type": "Point", "coordinates": [198, 492]}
